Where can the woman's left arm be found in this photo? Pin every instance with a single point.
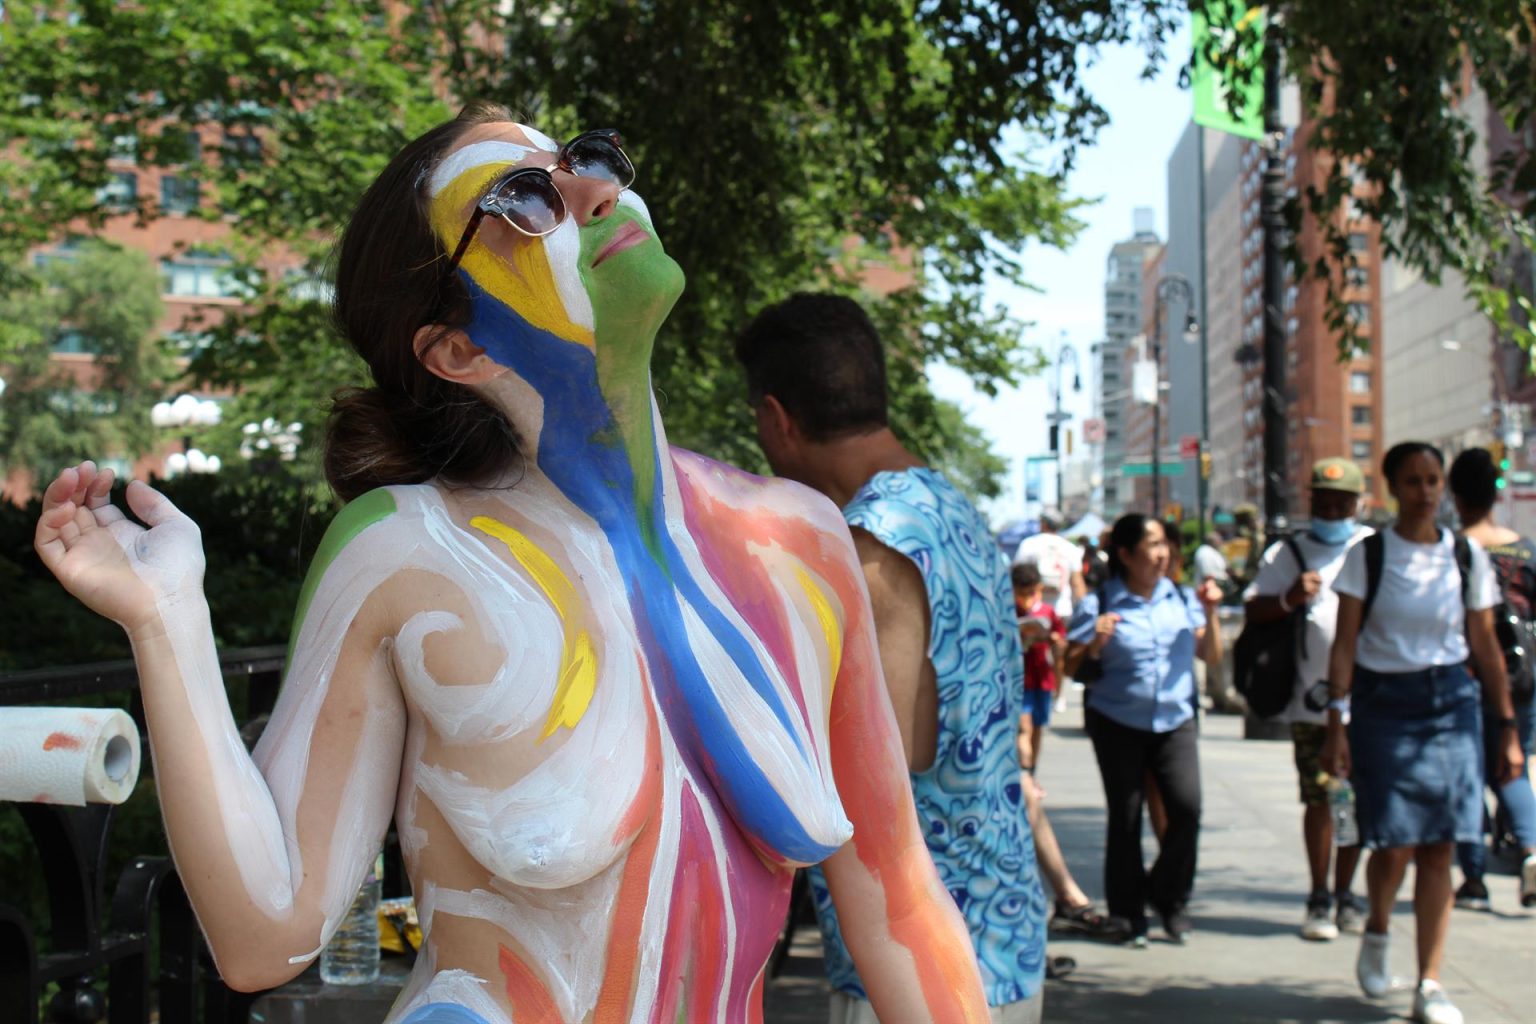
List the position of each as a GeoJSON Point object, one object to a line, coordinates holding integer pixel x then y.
{"type": "Point", "coordinates": [907, 937]}
{"type": "Point", "coordinates": [1489, 661]}
{"type": "Point", "coordinates": [1209, 646]}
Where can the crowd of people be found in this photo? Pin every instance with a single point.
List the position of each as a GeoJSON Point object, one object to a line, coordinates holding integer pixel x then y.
{"type": "Point", "coordinates": [565, 656]}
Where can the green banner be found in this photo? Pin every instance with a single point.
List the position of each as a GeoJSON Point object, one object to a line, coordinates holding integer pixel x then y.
{"type": "Point", "coordinates": [1241, 71]}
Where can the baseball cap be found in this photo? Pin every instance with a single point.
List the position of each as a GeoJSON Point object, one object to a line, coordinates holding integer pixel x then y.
{"type": "Point", "coordinates": [1337, 474]}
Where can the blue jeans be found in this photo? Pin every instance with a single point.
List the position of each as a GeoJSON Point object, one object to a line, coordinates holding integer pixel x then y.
{"type": "Point", "coordinates": [1516, 799]}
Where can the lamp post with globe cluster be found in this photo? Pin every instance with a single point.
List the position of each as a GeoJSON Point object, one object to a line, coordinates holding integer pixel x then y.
{"type": "Point", "coordinates": [182, 414]}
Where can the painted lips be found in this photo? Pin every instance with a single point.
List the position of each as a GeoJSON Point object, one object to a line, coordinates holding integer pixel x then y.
{"type": "Point", "coordinates": [627, 237]}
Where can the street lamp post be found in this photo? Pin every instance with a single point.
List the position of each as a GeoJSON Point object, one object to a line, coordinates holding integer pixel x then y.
{"type": "Point", "coordinates": [181, 414]}
{"type": "Point", "coordinates": [1169, 284]}
{"type": "Point", "coordinates": [1065, 353]}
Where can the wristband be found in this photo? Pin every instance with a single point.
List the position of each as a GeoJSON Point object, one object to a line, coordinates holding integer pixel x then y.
{"type": "Point", "coordinates": [1509, 723]}
{"type": "Point", "coordinates": [1339, 704]}
{"type": "Point", "coordinates": [1028, 769]}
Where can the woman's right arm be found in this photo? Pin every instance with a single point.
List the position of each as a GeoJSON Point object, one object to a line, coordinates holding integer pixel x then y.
{"type": "Point", "coordinates": [269, 866]}
{"type": "Point", "coordinates": [1341, 677]}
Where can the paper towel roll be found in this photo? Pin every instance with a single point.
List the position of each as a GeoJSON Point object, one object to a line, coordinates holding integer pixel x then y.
{"type": "Point", "coordinates": [67, 755]}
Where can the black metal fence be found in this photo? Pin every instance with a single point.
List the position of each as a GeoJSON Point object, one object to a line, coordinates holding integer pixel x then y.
{"type": "Point", "coordinates": [136, 955]}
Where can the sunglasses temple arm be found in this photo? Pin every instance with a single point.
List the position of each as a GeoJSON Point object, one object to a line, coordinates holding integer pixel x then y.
{"type": "Point", "coordinates": [468, 236]}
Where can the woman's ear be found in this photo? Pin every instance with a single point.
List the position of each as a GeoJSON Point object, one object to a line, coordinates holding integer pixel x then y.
{"type": "Point", "coordinates": [448, 353]}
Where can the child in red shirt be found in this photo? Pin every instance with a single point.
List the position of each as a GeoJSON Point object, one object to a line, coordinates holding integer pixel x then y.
{"type": "Point", "coordinates": [1044, 636]}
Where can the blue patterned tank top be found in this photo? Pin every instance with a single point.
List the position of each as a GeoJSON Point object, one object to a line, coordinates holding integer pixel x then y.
{"type": "Point", "coordinates": [969, 801]}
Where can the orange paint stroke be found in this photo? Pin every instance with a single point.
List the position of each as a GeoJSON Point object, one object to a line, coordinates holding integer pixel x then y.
{"type": "Point", "coordinates": [615, 998]}
{"type": "Point", "coordinates": [62, 741]}
{"type": "Point", "coordinates": [531, 1001]}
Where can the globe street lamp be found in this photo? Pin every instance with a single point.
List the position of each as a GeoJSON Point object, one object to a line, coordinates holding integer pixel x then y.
{"type": "Point", "coordinates": [187, 411]}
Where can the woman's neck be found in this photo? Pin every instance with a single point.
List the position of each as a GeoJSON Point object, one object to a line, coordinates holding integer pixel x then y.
{"type": "Point", "coordinates": [1488, 533]}
{"type": "Point", "coordinates": [1419, 531]}
{"type": "Point", "coordinates": [1142, 587]}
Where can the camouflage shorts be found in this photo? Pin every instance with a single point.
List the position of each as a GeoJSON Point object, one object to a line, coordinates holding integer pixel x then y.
{"type": "Point", "coordinates": [1308, 741]}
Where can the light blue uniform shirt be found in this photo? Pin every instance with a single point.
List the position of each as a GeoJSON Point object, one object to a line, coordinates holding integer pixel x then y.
{"type": "Point", "coordinates": [1149, 662]}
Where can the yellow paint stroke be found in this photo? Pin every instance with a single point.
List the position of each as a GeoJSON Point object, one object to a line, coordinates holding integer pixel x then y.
{"type": "Point", "coordinates": [831, 625]}
{"type": "Point", "coordinates": [578, 660]}
{"type": "Point", "coordinates": [524, 282]}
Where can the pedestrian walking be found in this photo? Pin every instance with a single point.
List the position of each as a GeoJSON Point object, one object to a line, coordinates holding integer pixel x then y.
{"type": "Point", "coordinates": [1474, 483]}
{"type": "Point", "coordinates": [947, 635]}
{"type": "Point", "coordinates": [1142, 718]}
{"type": "Point", "coordinates": [1299, 573]}
{"type": "Point", "coordinates": [1415, 602]}
{"type": "Point", "coordinates": [1059, 560]}
{"type": "Point", "coordinates": [1209, 563]}
{"type": "Point", "coordinates": [1044, 637]}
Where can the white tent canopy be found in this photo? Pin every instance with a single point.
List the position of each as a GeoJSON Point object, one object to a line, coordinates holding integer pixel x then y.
{"type": "Point", "coordinates": [1089, 526]}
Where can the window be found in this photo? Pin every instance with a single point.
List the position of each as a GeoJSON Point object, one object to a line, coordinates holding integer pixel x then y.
{"type": "Point", "coordinates": [1360, 315]}
{"type": "Point", "coordinates": [1358, 242]}
{"type": "Point", "coordinates": [178, 194]}
{"type": "Point", "coordinates": [1358, 277]}
{"type": "Point", "coordinates": [242, 151]}
{"type": "Point", "coordinates": [70, 341]}
{"type": "Point", "coordinates": [1359, 382]}
{"type": "Point", "coordinates": [1360, 451]}
{"type": "Point", "coordinates": [1360, 415]}
{"type": "Point", "coordinates": [120, 192]}
{"type": "Point", "coordinates": [202, 274]}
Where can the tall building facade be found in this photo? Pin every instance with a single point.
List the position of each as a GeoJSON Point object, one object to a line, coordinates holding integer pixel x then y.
{"type": "Point", "coordinates": [1122, 324]}
{"type": "Point", "coordinates": [1182, 362]}
{"type": "Point", "coordinates": [1232, 383]}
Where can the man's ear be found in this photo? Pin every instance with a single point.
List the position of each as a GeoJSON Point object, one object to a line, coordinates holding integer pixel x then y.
{"type": "Point", "coordinates": [448, 353]}
{"type": "Point", "coordinates": [774, 421]}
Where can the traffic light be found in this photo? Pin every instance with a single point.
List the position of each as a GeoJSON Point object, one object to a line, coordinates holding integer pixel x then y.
{"type": "Point", "coordinates": [1205, 465]}
{"type": "Point", "coordinates": [1055, 436]}
{"type": "Point", "coordinates": [1501, 459]}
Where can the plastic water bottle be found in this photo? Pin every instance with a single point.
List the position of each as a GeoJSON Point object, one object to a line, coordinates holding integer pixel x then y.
{"type": "Point", "coordinates": [1341, 806]}
{"type": "Point", "coordinates": [352, 955]}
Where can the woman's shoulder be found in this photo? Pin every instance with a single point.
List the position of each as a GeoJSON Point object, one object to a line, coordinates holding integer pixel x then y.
{"type": "Point", "coordinates": [726, 490]}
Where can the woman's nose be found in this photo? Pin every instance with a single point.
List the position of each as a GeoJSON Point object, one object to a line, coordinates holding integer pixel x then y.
{"type": "Point", "coordinates": [588, 199]}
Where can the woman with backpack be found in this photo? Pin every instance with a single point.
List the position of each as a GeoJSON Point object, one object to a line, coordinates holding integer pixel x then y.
{"type": "Point", "coordinates": [1415, 602]}
{"type": "Point", "coordinates": [1141, 716]}
{"type": "Point", "coordinates": [1474, 481]}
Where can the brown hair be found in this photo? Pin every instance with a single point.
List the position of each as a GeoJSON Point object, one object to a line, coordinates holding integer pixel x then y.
{"type": "Point", "coordinates": [391, 280]}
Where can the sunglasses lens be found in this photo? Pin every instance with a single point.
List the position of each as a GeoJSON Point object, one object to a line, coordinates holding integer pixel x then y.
{"type": "Point", "coordinates": [531, 202]}
{"type": "Point", "coordinates": [597, 156]}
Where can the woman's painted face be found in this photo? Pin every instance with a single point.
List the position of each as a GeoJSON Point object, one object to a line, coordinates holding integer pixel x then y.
{"type": "Point", "coordinates": [602, 270]}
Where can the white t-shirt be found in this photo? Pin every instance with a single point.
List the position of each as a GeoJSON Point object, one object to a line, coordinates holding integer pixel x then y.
{"type": "Point", "coordinates": [1057, 559]}
{"type": "Point", "coordinates": [1210, 564]}
{"type": "Point", "coordinates": [1277, 572]}
{"type": "Point", "coordinates": [1418, 620]}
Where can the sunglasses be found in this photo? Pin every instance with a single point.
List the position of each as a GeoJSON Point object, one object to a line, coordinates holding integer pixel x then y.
{"type": "Point", "coordinates": [528, 199]}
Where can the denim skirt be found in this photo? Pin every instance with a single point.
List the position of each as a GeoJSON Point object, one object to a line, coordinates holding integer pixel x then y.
{"type": "Point", "coordinates": [1415, 742]}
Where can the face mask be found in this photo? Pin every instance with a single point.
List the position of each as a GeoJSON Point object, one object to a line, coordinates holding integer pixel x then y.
{"type": "Point", "coordinates": [1333, 531]}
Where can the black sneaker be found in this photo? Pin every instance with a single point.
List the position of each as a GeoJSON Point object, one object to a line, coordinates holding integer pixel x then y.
{"type": "Point", "coordinates": [1473, 895]}
{"type": "Point", "coordinates": [1178, 926]}
{"type": "Point", "coordinates": [1351, 914]}
{"type": "Point", "coordinates": [1318, 926]}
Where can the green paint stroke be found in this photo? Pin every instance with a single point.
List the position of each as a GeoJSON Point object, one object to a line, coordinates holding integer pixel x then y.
{"type": "Point", "coordinates": [355, 517]}
{"type": "Point", "coordinates": [632, 292]}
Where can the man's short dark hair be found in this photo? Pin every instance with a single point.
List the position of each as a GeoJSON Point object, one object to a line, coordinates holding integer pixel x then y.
{"type": "Point", "coordinates": [821, 357]}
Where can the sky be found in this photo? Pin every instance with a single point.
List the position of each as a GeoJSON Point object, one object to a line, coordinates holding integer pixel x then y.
{"type": "Point", "coordinates": [1125, 168]}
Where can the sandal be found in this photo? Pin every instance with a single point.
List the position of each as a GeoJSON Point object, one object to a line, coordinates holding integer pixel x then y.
{"type": "Point", "coordinates": [1084, 920]}
{"type": "Point", "coordinates": [1058, 967]}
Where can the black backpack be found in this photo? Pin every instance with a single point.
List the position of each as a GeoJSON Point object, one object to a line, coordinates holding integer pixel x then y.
{"type": "Point", "coordinates": [1267, 655]}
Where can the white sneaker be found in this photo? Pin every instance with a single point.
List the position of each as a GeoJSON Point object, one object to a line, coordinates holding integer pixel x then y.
{"type": "Point", "coordinates": [1319, 926]}
{"type": "Point", "coordinates": [1528, 881]}
{"type": "Point", "coordinates": [1432, 1006]}
{"type": "Point", "coordinates": [1371, 968]}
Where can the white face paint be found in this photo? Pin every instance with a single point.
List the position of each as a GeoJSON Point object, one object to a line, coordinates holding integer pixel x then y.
{"type": "Point", "coordinates": [476, 154]}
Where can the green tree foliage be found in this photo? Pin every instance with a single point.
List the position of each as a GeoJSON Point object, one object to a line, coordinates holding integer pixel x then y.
{"type": "Point", "coordinates": [93, 298]}
{"type": "Point", "coordinates": [1391, 92]}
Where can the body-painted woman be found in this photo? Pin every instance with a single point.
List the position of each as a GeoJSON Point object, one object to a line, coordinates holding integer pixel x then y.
{"type": "Point", "coordinates": [612, 693]}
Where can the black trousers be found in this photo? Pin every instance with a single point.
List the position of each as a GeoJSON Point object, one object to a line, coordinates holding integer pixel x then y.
{"type": "Point", "coordinates": [1125, 758]}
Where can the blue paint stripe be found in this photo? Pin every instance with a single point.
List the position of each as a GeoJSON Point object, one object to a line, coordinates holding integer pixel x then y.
{"type": "Point", "coordinates": [443, 1013]}
{"type": "Point", "coordinates": [580, 452]}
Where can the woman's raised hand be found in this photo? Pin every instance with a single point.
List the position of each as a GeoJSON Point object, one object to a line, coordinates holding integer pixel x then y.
{"type": "Point", "coordinates": [1209, 595]}
{"type": "Point", "coordinates": [114, 566]}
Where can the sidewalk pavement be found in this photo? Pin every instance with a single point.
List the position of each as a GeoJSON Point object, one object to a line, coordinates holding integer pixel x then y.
{"type": "Point", "coordinates": [1246, 961]}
